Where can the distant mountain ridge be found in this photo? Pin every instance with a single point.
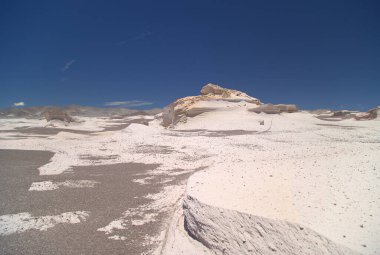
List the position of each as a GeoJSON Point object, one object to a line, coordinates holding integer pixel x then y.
{"type": "Point", "coordinates": [74, 110]}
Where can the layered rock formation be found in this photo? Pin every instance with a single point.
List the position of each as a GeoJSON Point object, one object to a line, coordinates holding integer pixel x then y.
{"type": "Point", "coordinates": [214, 92]}
{"type": "Point", "coordinates": [275, 108]}
{"type": "Point", "coordinates": [225, 231]}
{"type": "Point", "coordinates": [214, 97]}
{"type": "Point", "coordinates": [191, 106]}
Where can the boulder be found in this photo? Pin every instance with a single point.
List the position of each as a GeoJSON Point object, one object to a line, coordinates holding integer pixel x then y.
{"type": "Point", "coordinates": [57, 114]}
{"type": "Point", "coordinates": [369, 115]}
{"type": "Point", "coordinates": [374, 113]}
{"type": "Point", "coordinates": [275, 109]}
{"type": "Point", "coordinates": [363, 116]}
{"type": "Point", "coordinates": [212, 89]}
{"type": "Point", "coordinates": [345, 114]}
{"type": "Point", "coordinates": [287, 108]}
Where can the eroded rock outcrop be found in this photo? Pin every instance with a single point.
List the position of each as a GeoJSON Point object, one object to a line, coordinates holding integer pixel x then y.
{"type": "Point", "coordinates": [185, 107]}
{"type": "Point", "coordinates": [57, 114]}
{"type": "Point", "coordinates": [216, 92]}
{"type": "Point", "coordinates": [374, 113]}
{"type": "Point", "coordinates": [226, 231]}
{"type": "Point", "coordinates": [362, 116]}
{"type": "Point", "coordinates": [275, 108]}
{"type": "Point", "coordinates": [371, 114]}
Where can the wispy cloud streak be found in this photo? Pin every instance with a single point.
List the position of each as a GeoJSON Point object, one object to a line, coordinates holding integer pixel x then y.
{"type": "Point", "coordinates": [68, 65]}
{"type": "Point", "coordinates": [132, 103]}
{"type": "Point", "coordinates": [138, 37]}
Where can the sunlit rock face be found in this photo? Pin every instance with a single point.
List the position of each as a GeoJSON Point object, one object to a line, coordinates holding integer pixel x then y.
{"type": "Point", "coordinates": [191, 106]}
{"type": "Point", "coordinates": [213, 91]}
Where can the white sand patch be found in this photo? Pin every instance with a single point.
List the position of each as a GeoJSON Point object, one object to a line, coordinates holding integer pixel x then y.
{"type": "Point", "coordinates": [167, 196]}
{"type": "Point", "coordinates": [118, 238]}
{"type": "Point", "coordinates": [124, 144]}
{"type": "Point", "coordinates": [92, 124]}
{"type": "Point", "coordinates": [163, 202]}
{"type": "Point", "coordinates": [50, 185]}
{"type": "Point", "coordinates": [148, 217]}
{"type": "Point", "coordinates": [43, 186]}
{"type": "Point", "coordinates": [113, 225]}
{"type": "Point", "coordinates": [21, 222]}
{"type": "Point", "coordinates": [138, 128]}
{"type": "Point", "coordinates": [13, 124]}
{"type": "Point", "coordinates": [166, 180]}
{"type": "Point", "coordinates": [84, 123]}
{"type": "Point", "coordinates": [144, 181]}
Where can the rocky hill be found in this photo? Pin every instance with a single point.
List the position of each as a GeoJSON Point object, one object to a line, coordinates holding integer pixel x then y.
{"type": "Point", "coordinates": [213, 98]}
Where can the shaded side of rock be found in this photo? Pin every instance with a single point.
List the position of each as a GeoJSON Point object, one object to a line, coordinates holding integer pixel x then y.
{"type": "Point", "coordinates": [57, 114]}
{"type": "Point", "coordinates": [345, 114]}
{"type": "Point", "coordinates": [168, 116]}
{"type": "Point", "coordinates": [374, 113]}
{"type": "Point", "coordinates": [275, 109]}
{"type": "Point", "coordinates": [369, 115]}
{"type": "Point", "coordinates": [363, 116]}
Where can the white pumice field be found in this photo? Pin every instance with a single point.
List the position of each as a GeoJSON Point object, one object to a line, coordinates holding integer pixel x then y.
{"type": "Point", "coordinates": [229, 180]}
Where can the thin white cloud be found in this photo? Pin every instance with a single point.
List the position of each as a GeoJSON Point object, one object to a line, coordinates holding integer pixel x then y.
{"type": "Point", "coordinates": [68, 65]}
{"type": "Point", "coordinates": [132, 103]}
{"type": "Point", "coordinates": [142, 35]}
{"type": "Point", "coordinates": [137, 37]}
{"type": "Point", "coordinates": [19, 104]}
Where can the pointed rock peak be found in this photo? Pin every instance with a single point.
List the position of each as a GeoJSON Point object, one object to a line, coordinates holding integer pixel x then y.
{"type": "Point", "coordinates": [211, 88]}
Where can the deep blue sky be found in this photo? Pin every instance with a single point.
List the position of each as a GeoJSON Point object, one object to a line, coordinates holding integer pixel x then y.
{"type": "Point", "coordinates": [317, 54]}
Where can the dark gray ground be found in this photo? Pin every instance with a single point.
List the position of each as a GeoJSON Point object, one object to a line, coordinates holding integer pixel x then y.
{"type": "Point", "coordinates": [210, 133]}
{"type": "Point", "coordinates": [106, 202]}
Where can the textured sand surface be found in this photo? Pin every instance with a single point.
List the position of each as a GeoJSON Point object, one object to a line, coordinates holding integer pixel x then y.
{"type": "Point", "coordinates": [322, 178]}
{"type": "Point", "coordinates": [275, 174]}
